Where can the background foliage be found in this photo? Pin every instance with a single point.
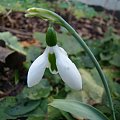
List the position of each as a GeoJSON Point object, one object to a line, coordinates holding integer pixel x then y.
{"type": "Point", "coordinates": [16, 55]}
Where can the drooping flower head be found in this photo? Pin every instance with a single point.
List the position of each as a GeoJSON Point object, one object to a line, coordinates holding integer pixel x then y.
{"type": "Point", "coordinates": [56, 59]}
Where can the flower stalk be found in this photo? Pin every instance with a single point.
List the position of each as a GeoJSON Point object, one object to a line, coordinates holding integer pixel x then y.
{"type": "Point", "coordinates": [55, 18]}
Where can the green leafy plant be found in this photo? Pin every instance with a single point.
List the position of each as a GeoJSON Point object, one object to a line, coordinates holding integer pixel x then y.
{"type": "Point", "coordinates": [51, 99]}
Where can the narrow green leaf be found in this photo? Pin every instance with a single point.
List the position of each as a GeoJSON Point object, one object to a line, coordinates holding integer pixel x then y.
{"type": "Point", "coordinates": [78, 109]}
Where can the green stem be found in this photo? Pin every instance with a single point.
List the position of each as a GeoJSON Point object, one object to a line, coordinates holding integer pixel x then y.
{"type": "Point", "coordinates": [83, 44]}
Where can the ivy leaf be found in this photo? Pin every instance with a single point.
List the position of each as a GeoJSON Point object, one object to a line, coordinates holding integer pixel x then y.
{"type": "Point", "coordinates": [33, 53]}
{"type": "Point", "coordinates": [8, 101]}
{"type": "Point", "coordinates": [22, 108]}
{"type": "Point", "coordinates": [41, 90]}
{"type": "Point", "coordinates": [40, 111]}
{"type": "Point", "coordinates": [105, 57]}
{"type": "Point", "coordinates": [116, 60]}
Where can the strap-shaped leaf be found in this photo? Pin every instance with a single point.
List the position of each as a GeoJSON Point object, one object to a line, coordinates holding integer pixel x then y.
{"type": "Point", "coordinates": [78, 109]}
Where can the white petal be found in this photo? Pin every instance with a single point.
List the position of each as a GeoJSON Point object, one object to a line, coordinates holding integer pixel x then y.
{"type": "Point", "coordinates": [67, 70]}
{"type": "Point", "coordinates": [63, 51]}
{"type": "Point", "coordinates": [37, 69]}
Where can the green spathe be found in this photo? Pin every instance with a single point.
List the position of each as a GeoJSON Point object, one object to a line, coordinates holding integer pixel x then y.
{"type": "Point", "coordinates": [43, 13]}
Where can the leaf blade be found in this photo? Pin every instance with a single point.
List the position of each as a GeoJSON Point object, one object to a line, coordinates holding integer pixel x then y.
{"type": "Point", "coordinates": [78, 109]}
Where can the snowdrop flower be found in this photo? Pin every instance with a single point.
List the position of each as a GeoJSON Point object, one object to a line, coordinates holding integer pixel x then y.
{"type": "Point", "coordinates": [56, 59]}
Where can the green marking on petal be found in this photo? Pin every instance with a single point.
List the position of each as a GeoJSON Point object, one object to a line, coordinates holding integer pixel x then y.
{"type": "Point", "coordinates": [52, 61]}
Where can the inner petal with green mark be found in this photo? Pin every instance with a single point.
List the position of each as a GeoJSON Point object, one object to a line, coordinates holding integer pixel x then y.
{"type": "Point", "coordinates": [52, 63]}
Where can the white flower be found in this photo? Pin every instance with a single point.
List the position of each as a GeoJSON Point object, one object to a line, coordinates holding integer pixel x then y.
{"type": "Point", "coordinates": [62, 65]}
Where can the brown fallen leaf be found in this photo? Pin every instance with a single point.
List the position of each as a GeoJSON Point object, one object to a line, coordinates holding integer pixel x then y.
{"type": "Point", "coordinates": [28, 43]}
